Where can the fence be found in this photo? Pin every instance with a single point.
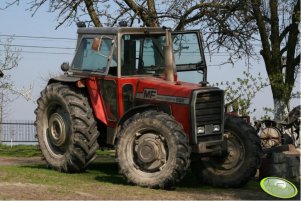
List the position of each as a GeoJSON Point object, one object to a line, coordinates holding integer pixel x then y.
{"type": "Point", "coordinates": [17, 132]}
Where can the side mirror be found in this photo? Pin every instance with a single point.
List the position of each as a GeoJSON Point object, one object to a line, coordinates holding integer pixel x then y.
{"type": "Point", "coordinates": [65, 67]}
{"type": "Point", "coordinates": [96, 44]}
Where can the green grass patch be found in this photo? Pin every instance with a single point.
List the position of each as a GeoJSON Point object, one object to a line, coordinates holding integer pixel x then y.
{"type": "Point", "coordinates": [33, 150]}
{"type": "Point", "coordinates": [101, 178]}
{"type": "Point", "coordinates": [103, 181]}
{"type": "Point", "coordinates": [19, 151]}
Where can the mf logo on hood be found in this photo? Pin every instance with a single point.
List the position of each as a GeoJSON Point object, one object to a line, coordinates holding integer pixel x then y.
{"type": "Point", "coordinates": [151, 94]}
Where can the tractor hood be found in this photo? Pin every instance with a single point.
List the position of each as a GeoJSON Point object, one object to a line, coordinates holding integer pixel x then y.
{"type": "Point", "coordinates": [162, 90]}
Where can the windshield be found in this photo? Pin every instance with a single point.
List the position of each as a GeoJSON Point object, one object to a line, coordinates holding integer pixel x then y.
{"type": "Point", "coordinates": [142, 54]}
{"type": "Point", "coordinates": [87, 59]}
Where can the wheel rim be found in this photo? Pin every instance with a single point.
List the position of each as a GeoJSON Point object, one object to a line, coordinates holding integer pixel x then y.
{"type": "Point", "coordinates": [232, 159]}
{"type": "Point", "coordinates": [149, 151]}
{"type": "Point", "coordinates": [56, 130]}
{"type": "Point", "coordinates": [235, 152]}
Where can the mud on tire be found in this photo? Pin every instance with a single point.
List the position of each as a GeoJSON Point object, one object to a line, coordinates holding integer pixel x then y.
{"type": "Point", "coordinates": [238, 164]}
{"type": "Point", "coordinates": [66, 128]}
{"type": "Point", "coordinates": [152, 150]}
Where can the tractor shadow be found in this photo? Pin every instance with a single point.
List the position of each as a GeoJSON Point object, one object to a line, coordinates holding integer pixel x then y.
{"type": "Point", "coordinates": [108, 172]}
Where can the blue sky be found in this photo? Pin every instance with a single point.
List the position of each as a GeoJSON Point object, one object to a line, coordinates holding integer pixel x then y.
{"type": "Point", "coordinates": [17, 20]}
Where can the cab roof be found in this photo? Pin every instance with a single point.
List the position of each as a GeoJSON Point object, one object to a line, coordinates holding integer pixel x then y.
{"type": "Point", "coordinates": [116, 30]}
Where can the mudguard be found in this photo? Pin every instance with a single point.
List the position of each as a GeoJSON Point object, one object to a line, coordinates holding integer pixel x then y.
{"type": "Point", "coordinates": [63, 78]}
{"type": "Point", "coordinates": [92, 89]}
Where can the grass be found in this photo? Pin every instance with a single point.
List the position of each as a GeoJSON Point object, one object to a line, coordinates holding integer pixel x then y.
{"type": "Point", "coordinates": [101, 181]}
{"type": "Point", "coordinates": [19, 151]}
{"type": "Point", "coordinates": [33, 150]}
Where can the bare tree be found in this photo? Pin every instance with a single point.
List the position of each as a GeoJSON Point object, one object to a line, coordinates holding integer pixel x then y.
{"type": "Point", "coordinates": [9, 59]}
{"type": "Point", "coordinates": [234, 26]}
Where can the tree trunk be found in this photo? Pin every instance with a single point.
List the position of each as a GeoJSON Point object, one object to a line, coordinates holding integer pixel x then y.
{"type": "Point", "coordinates": [280, 109]}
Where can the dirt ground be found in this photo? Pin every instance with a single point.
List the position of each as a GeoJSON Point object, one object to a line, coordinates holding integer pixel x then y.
{"type": "Point", "coordinates": [20, 161]}
{"type": "Point", "coordinates": [28, 191]}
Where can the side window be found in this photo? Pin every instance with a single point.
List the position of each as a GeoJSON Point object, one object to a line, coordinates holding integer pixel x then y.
{"type": "Point", "coordinates": [87, 59]}
{"type": "Point", "coordinates": [108, 91]}
{"type": "Point", "coordinates": [127, 96]}
{"type": "Point", "coordinates": [186, 49]}
{"type": "Point", "coordinates": [188, 54]}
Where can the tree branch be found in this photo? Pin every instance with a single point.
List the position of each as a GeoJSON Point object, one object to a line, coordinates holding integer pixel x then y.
{"type": "Point", "coordinates": [285, 32]}
{"type": "Point", "coordinates": [92, 13]}
{"type": "Point", "coordinates": [152, 13]}
{"type": "Point", "coordinates": [73, 10]}
{"type": "Point", "coordinates": [297, 61]}
{"type": "Point", "coordinates": [274, 36]}
{"type": "Point", "coordinates": [139, 11]}
{"type": "Point", "coordinates": [262, 32]}
{"type": "Point", "coordinates": [291, 48]}
{"type": "Point", "coordinates": [183, 19]}
{"type": "Point", "coordinates": [284, 49]}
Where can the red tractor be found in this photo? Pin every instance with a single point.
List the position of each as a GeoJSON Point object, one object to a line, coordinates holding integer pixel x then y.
{"type": "Point", "coordinates": [122, 91]}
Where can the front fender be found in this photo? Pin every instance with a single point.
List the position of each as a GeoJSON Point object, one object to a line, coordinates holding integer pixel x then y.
{"type": "Point", "coordinates": [112, 138]}
{"type": "Point", "coordinates": [135, 110]}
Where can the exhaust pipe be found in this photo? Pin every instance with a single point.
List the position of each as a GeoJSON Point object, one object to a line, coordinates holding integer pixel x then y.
{"type": "Point", "coordinates": [170, 71]}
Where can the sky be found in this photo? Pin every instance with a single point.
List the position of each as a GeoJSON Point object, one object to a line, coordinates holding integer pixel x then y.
{"type": "Point", "coordinates": [35, 67]}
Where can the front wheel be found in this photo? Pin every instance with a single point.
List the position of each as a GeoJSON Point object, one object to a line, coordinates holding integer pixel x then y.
{"type": "Point", "coordinates": [240, 162]}
{"type": "Point", "coordinates": [153, 150]}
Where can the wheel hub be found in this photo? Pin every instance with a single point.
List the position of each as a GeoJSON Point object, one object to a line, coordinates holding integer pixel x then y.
{"type": "Point", "coordinates": [235, 153]}
{"type": "Point", "coordinates": [57, 129]}
{"type": "Point", "coordinates": [150, 152]}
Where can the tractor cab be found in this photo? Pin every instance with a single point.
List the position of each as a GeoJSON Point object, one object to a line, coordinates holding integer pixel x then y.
{"type": "Point", "coordinates": [137, 52]}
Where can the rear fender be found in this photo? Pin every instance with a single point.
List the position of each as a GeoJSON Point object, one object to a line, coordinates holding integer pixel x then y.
{"type": "Point", "coordinates": [92, 88]}
{"type": "Point", "coordinates": [63, 79]}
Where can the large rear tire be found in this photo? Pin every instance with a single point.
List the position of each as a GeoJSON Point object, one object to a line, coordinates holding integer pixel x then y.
{"type": "Point", "coordinates": [238, 164]}
{"type": "Point", "coordinates": [153, 150]}
{"type": "Point", "coordinates": [66, 128]}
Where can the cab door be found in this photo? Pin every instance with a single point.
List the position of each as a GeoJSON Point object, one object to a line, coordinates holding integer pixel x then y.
{"type": "Point", "coordinates": [96, 62]}
{"type": "Point", "coordinates": [109, 93]}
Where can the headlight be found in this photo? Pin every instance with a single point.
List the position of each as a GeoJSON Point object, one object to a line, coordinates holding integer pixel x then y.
{"type": "Point", "coordinates": [201, 130]}
{"type": "Point", "coordinates": [216, 128]}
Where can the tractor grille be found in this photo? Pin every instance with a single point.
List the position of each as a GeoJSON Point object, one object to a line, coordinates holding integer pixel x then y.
{"type": "Point", "coordinates": [208, 113]}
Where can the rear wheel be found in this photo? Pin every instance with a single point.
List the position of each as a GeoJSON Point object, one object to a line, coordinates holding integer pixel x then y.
{"type": "Point", "coordinates": [238, 164]}
{"type": "Point", "coordinates": [153, 150]}
{"type": "Point", "coordinates": [66, 128]}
